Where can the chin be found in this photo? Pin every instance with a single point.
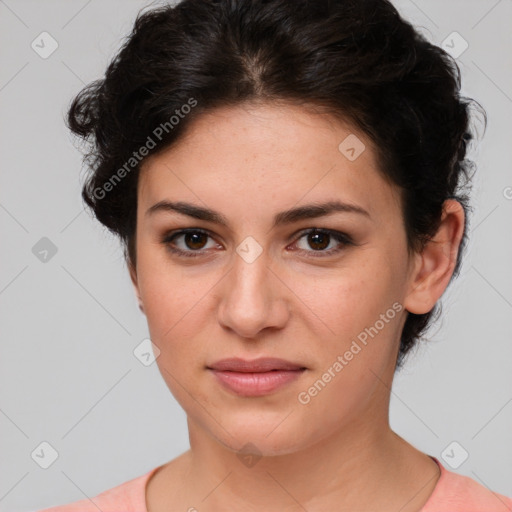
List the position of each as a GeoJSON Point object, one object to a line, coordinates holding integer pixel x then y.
{"type": "Point", "coordinates": [263, 438]}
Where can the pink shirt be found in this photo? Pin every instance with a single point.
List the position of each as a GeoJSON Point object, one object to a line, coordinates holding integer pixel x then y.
{"type": "Point", "coordinates": [453, 493]}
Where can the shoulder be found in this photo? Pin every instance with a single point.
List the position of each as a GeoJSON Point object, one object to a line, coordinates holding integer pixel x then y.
{"type": "Point", "coordinates": [128, 496]}
{"type": "Point", "coordinates": [458, 493]}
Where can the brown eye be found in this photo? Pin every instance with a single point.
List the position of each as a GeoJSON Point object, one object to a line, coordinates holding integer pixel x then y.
{"type": "Point", "coordinates": [322, 242]}
{"type": "Point", "coordinates": [318, 240]}
{"type": "Point", "coordinates": [188, 242]}
{"type": "Point", "coordinates": [195, 240]}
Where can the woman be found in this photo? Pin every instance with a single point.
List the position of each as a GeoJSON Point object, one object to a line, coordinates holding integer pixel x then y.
{"type": "Point", "coordinates": [286, 180]}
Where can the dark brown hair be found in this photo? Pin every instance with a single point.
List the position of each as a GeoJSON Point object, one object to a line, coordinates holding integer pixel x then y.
{"type": "Point", "coordinates": [356, 58]}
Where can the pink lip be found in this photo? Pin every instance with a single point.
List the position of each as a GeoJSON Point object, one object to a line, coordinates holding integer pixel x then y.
{"type": "Point", "coordinates": [255, 378]}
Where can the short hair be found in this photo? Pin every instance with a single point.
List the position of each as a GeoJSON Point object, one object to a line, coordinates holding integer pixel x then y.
{"type": "Point", "coordinates": [356, 59]}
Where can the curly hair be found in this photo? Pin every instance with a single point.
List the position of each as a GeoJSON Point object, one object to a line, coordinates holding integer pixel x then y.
{"type": "Point", "coordinates": [358, 59]}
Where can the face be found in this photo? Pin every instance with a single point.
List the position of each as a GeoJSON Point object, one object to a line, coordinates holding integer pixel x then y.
{"type": "Point", "coordinates": [259, 273]}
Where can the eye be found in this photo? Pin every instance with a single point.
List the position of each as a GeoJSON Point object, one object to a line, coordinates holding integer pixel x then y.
{"type": "Point", "coordinates": [321, 239]}
{"type": "Point", "coordinates": [188, 242]}
{"type": "Point", "coordinates": [193, 242]}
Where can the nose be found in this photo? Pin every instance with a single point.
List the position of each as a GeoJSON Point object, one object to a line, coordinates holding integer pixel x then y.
{"type": "Point", "coordinates": [253, 298]}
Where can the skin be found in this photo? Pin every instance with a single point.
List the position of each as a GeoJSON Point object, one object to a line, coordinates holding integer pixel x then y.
{"type": "Point", "coordinates": [336, 452]}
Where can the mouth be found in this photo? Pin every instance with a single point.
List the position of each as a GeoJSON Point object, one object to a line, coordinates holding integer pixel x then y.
{"type": "Point", "coordinates": [257, 377]}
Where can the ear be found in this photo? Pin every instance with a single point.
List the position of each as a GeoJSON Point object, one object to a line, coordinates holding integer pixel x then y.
{"type": "Point", "coordinates": [434, 266]}
{"type": "Point", "coordinates": [133, 276]}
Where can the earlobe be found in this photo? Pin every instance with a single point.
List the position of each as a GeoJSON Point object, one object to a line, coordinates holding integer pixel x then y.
{"type": "Point", "coordinates": [434, 266]}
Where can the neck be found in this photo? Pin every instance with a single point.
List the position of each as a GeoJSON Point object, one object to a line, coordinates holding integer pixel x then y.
{"type": "Point", "coordinates": [357, 466]}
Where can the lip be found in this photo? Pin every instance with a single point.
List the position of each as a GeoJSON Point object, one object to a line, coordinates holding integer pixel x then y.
{"type": "Point", "coordinates": [262, 364]}
{"type": "Point", "coordinates": [257, 377]}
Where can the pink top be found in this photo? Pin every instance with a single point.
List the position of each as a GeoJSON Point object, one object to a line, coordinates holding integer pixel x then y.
{"type": "Point", "coordinates": [453, 493]}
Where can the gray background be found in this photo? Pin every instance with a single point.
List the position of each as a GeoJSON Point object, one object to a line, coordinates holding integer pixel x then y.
{"type": "Point", "coordinates": [69, 325]}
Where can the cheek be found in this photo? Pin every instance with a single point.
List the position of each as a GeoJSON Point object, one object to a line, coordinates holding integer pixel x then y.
{"type": "Point", "coordinates": [170, 293]}
{"type": "Point", "coordinates": [363, 320]}
{"type": "Point", "coordinates": [175, 316]}
{"type": "Point", "coordinates": [348, 302]}
{"type": "Point", "coordinates": [358, 319]}
{"type": "Point", "coordinates": [179, 313]}
{"type": "Point", "coordinates": [174, 311]}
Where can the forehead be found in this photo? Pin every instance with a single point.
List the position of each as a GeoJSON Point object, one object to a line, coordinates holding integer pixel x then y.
{"type": "Point", "coordinates": [267, 154]}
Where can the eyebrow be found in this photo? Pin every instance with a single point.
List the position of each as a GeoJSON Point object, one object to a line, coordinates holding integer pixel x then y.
{"type": "Point", "coordinates": [310, 211]}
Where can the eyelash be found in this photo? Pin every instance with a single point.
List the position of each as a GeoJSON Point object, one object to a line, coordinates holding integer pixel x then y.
{"type": "Point", "coordinates": [342, 238]}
